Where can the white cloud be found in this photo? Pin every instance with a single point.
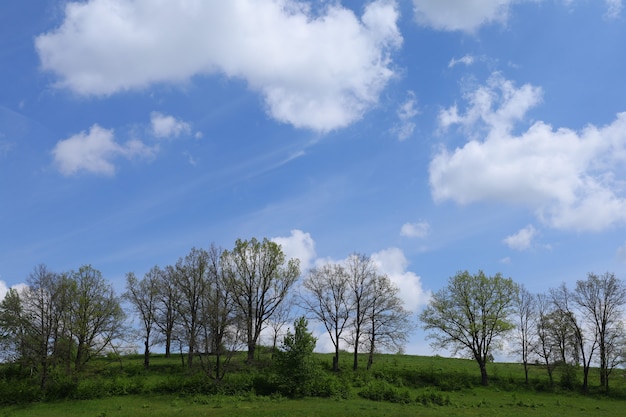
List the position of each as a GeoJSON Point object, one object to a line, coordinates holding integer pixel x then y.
{"type": "Point", "coordinates": [299, 245]}
{"type": "Point", "coordinates": [3, 290]}
{"type": "Point", "coordinates": [314, 71]}
{"type": "Point", "coordinates": [464, 15]}
{"type": "Point", "coordinates": [94, 152]}
{"type": "Point", "coordinates": [466, 60]}
{"type": "Point", "coordinates": [613, 8]}
{"type": "Point", "coordinates": [621, 253]}
{"type": "Point", "coordinates": [406, 113]}
{"type": "Point", "coordinates": [165, 126]}
{"type": "Point", "coordinates": [418, 230]}
{"type": "Point", "coordinates": [394, 264]}
{"type": "Point", "coordinates": [567, 178]}
{"type": "Point", "coordinates": [521, 240]}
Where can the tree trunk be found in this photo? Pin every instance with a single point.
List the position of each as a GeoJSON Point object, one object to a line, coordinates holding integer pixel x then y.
{"type": "Point", "coordinates": [484, 379]}
{"type": "Point", "coordinates": [146, 354]}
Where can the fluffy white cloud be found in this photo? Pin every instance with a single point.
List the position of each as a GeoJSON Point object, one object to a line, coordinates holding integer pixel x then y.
{"type": "Point", "coordinates": [320, 71]}
{"type": "Point", "coordinates": [521, 240]}
{"type": "Point", "coordinates": [165, 126]}
{"type": "Point", "coordinates": [566, 177]}
{"type": "Point", "coordinates": [94, 152]}
{"type": "Point", "coordinates": [394, 264]}
{"type": "Point", "coordinates": [464, 15]}
{"type": "Point", "coordinates": [419, 230]}
{"type": "Point", "coordinates": [299, 245]}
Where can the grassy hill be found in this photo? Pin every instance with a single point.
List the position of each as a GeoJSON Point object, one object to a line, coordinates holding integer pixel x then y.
{"type": "Point", "coordinates": [396, 385]}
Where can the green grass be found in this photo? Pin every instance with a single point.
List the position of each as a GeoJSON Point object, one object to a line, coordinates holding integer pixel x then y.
{"type": "Point", "coordinates": [405, 385]}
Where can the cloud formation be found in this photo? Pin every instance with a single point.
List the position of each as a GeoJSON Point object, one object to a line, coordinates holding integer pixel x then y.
{"type": "Point", "coordinates": [463, 15]}
{"type": "Point", "coordinates": [417, 230]}
{"type": "Point", "coordinates": [320, 71]}
{"type": "Point", "coordinates": [165, 126]}
{"type": "Point", "coordinates": [521, 240]}
{"type": "Point", "coordinates": [470, 15]}
{"type": "Point", "coordinates": [299, 245]}
{"type": "Point", "coordinates": [406, 113]}
{"type": "Point", "coordinates": [94, 152]}
{"type": "Point", "coordinates": [566, 177]}
{"type": "Point", "coordinates": [394, 264]}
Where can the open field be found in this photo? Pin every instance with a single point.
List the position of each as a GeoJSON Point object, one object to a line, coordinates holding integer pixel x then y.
{"type": "Point", "coordinates": [401, 386]}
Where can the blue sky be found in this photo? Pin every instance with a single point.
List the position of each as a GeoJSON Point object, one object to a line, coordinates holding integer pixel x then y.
{"type": "Point", "coordinates": [433, 135]}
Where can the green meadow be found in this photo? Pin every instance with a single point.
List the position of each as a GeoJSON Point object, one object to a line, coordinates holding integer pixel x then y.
{"type": "Point", "coordinates": [397, 385]}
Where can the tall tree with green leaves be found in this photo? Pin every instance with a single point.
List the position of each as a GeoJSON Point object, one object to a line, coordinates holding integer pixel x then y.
{"type": "Point", "coordinates": [471, 315]}
{"type": "Point", "coordinates": [259, 278]}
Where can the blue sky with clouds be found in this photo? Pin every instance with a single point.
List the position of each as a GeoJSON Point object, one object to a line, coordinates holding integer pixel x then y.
{"type": "Point", "coordinates": [433, 135]}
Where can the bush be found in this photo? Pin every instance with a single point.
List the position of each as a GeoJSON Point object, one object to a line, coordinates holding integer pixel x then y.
{"type": "Point", "coordinates": [429, 398]}
{"type": "Point", "coordinates": [383, 391]}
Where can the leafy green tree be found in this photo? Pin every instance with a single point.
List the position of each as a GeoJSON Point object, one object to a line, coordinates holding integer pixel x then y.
{"type": "Point", "coordinates": [295, 363]}
{"type": "Point", "coordinates": [471, 315]}
{"type": "Point", "coordinates": [12, 327]}
{"type": "Point", "coordinates": [259, 278]}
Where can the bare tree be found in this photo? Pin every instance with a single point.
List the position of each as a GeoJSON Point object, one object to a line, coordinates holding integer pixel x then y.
{"type": "Point", "coordinates": [471, 314]}
{"type": "Point", "coordinates": [601, 299]}
{"type": "Point", "coordinates": [219, 321]}
{"type": "Point", "coordinates": [388, 322]}
{"type": "Point", "coordinates": [39, 299]}
{"type": "Point", "coordinates": [525, 311]}
{"type": "Point", "coordinates": [328, 301]}
{"type": "Point", "coordinates": [190, 281]}
{"type": "Point", "coordinates": [165, 314]}
{"type": "Point", "coordinates": [142, 294]}
{"type": "Point", "coordinates": [259, 278]}
{"type": "Point", "coordinates": [361, 273]}
{"type": "Point", "coordinates": [568, 308]}
{"type": "Point", "coordinates": [544, 347]}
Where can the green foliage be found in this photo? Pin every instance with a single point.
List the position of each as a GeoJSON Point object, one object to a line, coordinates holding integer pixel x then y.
{"type": "Point", "coordinates": [296, 367]}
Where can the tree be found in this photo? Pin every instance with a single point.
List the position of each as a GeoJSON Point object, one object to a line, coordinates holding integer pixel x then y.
{"type": "Point", "coordinates": [294, 361]}
{"type": "Point", "coordinates": [219, 319]}
{"type": "Point", "coordinates": [601, 299]}
{"type": "Point", "coordinates": [12, 327]}
{"type": "Point", "coordinates": [327, 300]}
{"type": "Point", "coordinates": [190, 281]}
{"type": "Point", "coordinates": [388, 322]}
{"type": "Point", "coordinates": [165, 314]}
{"type": "Point", "coordinates": [361, 274]}
{"type": "Point", "coordinates": [567, 309]}
{"type": "Point", "coordinates": [39, 299]}
{"type": "Point", "coordinates": [545, 345]}
{"type": "Point", "coordinates": [96, 315]}
{"type": "Point", "coordinates": [471, 314]}
{"type": "Point", "coordinates": [259, 279]}
{"type": "Point", "coordinates": [143, 296]}
{"type": "Point", "coordinates": [525, 311]}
